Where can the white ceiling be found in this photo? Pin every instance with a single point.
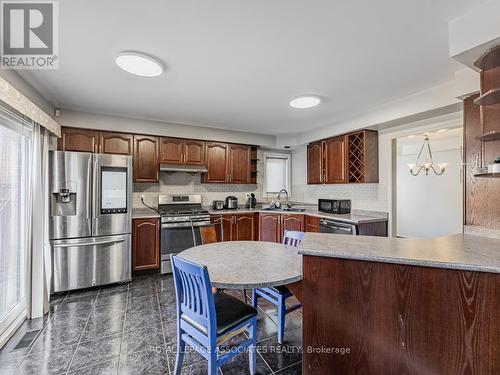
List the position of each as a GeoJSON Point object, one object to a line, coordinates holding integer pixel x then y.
{"type": "Point", "coordinates": [236, 64]}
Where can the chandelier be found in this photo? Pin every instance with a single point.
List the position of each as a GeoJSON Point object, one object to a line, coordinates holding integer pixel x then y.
{"type": "Point", "coordinates": [428, 165]}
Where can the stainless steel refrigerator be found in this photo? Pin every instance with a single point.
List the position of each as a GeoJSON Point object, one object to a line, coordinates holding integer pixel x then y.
{"type": "Point", "coordinates": [91, 219]}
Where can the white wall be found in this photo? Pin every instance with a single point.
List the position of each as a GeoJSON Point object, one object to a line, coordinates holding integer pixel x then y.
{"type": "Point", "coordinates": [116, 123]}
{"type": "Point", "coordinates": [429, 206]}
{"type": "Point", "coordinates": [428, 104]}
{"type": "Point", "coordinates": [472, 32]}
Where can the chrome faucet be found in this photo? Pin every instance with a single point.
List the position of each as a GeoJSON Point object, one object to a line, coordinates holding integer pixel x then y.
{"type": "Point", "coordinates": [278, 203]}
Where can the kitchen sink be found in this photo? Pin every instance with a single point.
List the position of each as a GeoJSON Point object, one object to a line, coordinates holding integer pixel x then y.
{"type": "Point", "coordinates": [288, 209]}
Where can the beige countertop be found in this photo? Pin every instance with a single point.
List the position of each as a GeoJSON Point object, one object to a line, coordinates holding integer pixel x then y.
{"type": "Point", "coordinates": [144, 213]}
{"type": "Point", "coordinates": [352, 218]}
{"type": "Point", "coordinates": [460, 251]}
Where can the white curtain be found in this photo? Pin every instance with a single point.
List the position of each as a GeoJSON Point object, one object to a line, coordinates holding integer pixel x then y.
{"type": "Point", "coordinates": [39, 263]}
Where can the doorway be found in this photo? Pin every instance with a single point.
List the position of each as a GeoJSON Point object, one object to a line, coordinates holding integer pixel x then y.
{"type": "Point", "coordinates": [429, 205]}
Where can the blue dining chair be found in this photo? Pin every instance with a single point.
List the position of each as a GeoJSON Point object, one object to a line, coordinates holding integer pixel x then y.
{"type": "Point", "coordinates": [279, 294]}
{"type": "Point", "coordinates": [205, 320]}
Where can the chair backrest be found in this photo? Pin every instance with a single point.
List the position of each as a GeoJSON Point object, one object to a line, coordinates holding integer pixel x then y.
{"type": "Point", "coordinates": [292, 238]}
{"type": "Point", "coordinates": [193, 292]}
{"type": "Point", "coordinates": [208, 234]}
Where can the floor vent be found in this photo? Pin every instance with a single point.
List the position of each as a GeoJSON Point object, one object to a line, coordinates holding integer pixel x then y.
{"type": "Point", "coordinates": [27, 339]}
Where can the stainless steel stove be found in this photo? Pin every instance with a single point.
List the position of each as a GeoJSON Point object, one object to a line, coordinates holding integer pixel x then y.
{"type": "Point", "coordinates": [181, 219]}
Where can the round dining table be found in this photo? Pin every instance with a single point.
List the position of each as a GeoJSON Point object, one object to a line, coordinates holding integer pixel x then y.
{"type": "Point", "coordinates": [249, 264]}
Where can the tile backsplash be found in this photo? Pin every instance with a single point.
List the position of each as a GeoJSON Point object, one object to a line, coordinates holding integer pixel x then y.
{"type": "Point", "coordinates": [370, 197]}
{"type": "Point", "coordinates": [184, 183]}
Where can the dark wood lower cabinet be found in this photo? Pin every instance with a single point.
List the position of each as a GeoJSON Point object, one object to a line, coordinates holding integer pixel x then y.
{"type": "Point", "coordinates": [244, 227]}
{"type": "Point", "coordinates": [223, 226]}
{"type": "Point", "coordinates": [312, 224]}
{"type": "Point", "coordinates": [145, 244]}
{"type": "Point", "coordinates": [293, 222]}
{"type": "Point", "coordinates": [272, 225]}
{"type": "Point", "coordinates": [234, 227]}
{"type": "Point", "coordinates": [269, 227]}
{"type": "Point", "coordinates": [381, 318]}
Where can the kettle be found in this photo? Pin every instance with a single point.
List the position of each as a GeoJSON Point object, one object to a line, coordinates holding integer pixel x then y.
{"type": "Point", "coordinates": [231, 202]}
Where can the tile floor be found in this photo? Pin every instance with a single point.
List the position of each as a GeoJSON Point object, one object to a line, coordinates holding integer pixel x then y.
{"type": "Point", "coordinates": [130, 329]}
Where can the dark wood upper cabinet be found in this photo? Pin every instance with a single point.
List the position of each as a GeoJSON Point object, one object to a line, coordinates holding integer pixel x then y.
{"type": "Point", "coordinates": [81, 140]}
{"type": "Point", "coordinates": [335, 161]}
{"type": "Point", "coordinates": [217, 158]}
{"type": "Point", "coordinates": [145, 244]}
{"type": "Point", "coordinates": [239, 164]}
{"type": "Point", "coordinates": [350, 158]}
{"type": "Point", "coordinates": [315, 163]}
{"type": "Point", "coordinates": [146, 161]}
{"type": "Point", "coordinates": [194, 152]}
{"type": "Point", "coordinates": [226, 163]}
{"type": "Point", "coordinates": [270, 227]}
{"type": "Point", "coordinates": [182, 151]}
{"type": "Point", "coordinates": [116, 143]}
{"type": "Point", "coordinates": [230, 163]}
{"type": "Point", "coordinates": [171, 150]}
{"type": "Point", "coordinates": [362, 157]}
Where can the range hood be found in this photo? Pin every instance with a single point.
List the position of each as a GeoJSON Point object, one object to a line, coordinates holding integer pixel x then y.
{"type": "Point", "coordinates": [183, 168]}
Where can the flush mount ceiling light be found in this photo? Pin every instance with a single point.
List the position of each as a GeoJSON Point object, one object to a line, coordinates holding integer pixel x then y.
{"type": "Point", "coordinates": [428, 165]}
{"type": "Point", "coordinates": [139, 64]}
{"type": "Point", "coordinates": [306, 101]}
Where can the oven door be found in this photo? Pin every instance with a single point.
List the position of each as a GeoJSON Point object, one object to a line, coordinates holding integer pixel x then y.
{"type": "Point", "coordinates": [176, 237]}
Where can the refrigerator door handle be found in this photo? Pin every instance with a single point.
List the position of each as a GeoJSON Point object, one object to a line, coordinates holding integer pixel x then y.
{"type": "Point", "coordinates": [96, 196]}
{"type": "Point", "coordinates": [107, 242]}
{"type": "Point", "coordinates": [89, 192]}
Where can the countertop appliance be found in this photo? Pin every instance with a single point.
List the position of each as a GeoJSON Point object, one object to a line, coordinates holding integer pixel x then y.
{"type": "Point", "coordinates": [181, 219]}
{"type": "Point", "coordinates": [218, 205]}
{"type": "Point", "coordinates": [231, 203]}
{"type": "Point", "coordinates": [251, 201]}
{"type": "Point", "coordinates": [335, 206]}
{"type": "Point", "coordinates": [336, 227]}
{"type": "Point", "coordinates": [90, 219]}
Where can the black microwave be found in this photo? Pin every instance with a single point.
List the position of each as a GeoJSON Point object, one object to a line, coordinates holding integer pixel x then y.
{"type": "Point", "coordinates": [335, 206]}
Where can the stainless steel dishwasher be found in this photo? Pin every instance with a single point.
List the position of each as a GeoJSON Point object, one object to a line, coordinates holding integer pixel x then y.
{"type": "Point", "coordinates": [337, 227]}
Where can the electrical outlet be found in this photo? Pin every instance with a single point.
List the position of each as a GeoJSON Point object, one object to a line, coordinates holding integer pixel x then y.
{"type": "Point", "coordinates": [142, 197]}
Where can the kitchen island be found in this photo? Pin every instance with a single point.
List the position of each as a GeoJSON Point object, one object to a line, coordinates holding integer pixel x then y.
{"type": "Point", "coordinates": [378, 305]}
